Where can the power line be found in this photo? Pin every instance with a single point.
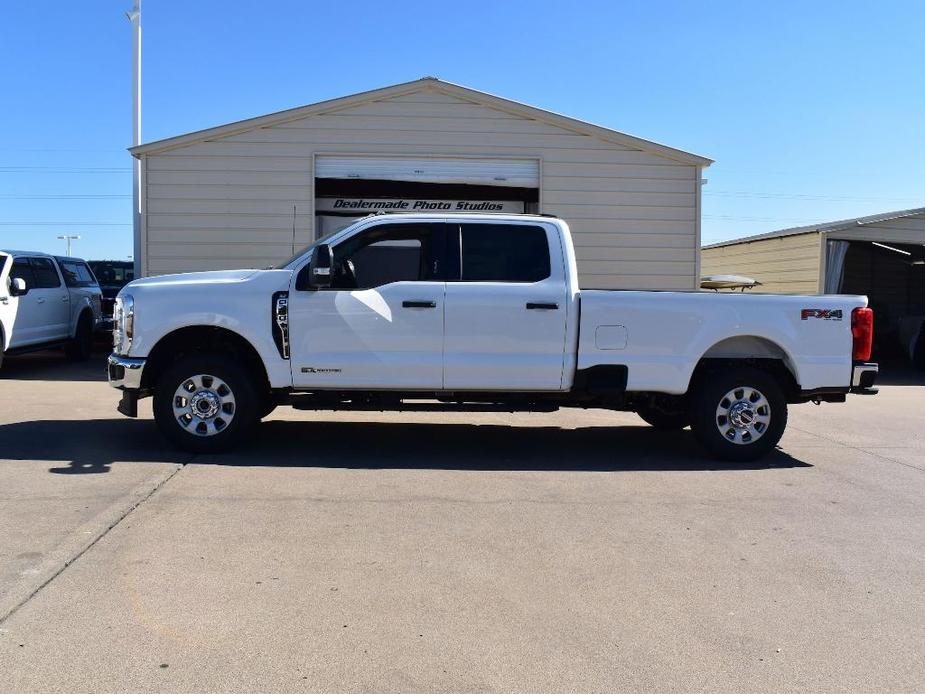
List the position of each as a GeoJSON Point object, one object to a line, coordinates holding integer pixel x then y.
{"type": "Point", "coordinates": [762, 219]}
{"type": "Point", "coordinates": [58, 150]}
{"type": "Point", "coordinates": [64, 196]}
{"type": "Point", "coordinates": [802, 196]}
{"type": "Point", "coordinates": [66, 224]}
{"type": "Point", "coordinates": [64, 169]}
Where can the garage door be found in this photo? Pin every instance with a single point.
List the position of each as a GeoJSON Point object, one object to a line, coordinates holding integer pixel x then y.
{"type": "Point", "coordinates": [523, 173]}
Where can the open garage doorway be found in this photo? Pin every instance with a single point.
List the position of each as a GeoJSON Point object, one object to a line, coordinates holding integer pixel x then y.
{"type": "Point", "coordinates": [350, 187]}
{"type": "Point", "coordinates": [892, 275]}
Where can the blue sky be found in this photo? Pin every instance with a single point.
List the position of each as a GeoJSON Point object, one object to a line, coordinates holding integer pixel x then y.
{"type": "Point", "coordinates": [812, 111]}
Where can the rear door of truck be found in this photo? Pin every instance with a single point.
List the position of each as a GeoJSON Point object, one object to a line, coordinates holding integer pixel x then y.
{"type": "Point", "coordinates": [506, 313]}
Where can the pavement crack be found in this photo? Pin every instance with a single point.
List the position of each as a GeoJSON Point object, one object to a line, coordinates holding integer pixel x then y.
{"type": "Point", "coordinates": [7, 611]}
{"type": "Point", "coordinates": [858, 448]}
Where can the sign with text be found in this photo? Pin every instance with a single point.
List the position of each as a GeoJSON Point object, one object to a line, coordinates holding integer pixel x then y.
{"type": "Point", "coordinates": [369, 205]}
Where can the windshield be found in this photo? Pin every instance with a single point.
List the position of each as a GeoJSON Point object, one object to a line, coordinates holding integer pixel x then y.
{"type": "Point", "coordinates": [310, 247]}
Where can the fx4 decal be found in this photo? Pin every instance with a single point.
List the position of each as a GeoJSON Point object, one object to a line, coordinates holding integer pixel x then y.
{"type": "Point", "coordinates": [823, 313]}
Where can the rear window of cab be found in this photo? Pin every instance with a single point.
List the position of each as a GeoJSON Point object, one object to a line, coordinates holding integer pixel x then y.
{"type": "Point", "coordinates": [77, 274]}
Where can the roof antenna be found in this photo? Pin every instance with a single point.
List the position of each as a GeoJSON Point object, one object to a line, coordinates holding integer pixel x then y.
{"type": "Point", "coordinates": [293, 230]}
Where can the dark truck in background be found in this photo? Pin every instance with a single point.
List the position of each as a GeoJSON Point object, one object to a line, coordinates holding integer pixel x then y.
{"type": "Point", "coordinates": [112, 276]}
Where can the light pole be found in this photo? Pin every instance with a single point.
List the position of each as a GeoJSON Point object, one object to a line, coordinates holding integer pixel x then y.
{"type": "Point", "coordinates": [135, 18]}
{"type": "Point", "coordinates": [68, 239]}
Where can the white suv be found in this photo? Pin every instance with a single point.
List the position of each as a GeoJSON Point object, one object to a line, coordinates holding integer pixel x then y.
{"type": "Point", "coordinates": [47, 301]}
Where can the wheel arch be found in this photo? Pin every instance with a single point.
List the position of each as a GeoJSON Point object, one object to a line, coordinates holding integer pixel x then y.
{"type": "Point", "coordinates": [197, 339]}
{"type": "Point", "coordinates": [752, 350]}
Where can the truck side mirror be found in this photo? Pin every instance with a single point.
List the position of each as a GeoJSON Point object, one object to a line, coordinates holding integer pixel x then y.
{"type": "Point", "coordinates": [18, 286]}
{"type": "Point", "coordinates": [320, 267]}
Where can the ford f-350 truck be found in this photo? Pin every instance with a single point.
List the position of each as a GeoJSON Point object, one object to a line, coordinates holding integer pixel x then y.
{"type": "Point", "coordinates": [474, 312]}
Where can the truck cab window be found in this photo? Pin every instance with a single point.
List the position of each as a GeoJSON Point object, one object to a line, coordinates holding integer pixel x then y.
{"type": "Point", "coordinates": [46, 276]}
{"type": "Point", "coordinates": [23, 270]}
{"type": "Point", "coordinates": [504, 253]}
{"type": "Point", "coordinates": [77, 274]}
{"type": "Point", "coordinates": [384, 254]}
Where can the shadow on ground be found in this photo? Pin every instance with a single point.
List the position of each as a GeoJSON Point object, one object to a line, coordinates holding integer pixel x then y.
{"type": "Point", "coordinates": [90, 446]}
{"type": "Point", "coordinates": [52, 365]}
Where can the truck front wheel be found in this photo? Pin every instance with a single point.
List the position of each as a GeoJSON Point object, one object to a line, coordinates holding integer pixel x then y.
{"type": "Point", "coordinates": [738, 414]}
{"type": "Point", "coordinates": [205, 403]}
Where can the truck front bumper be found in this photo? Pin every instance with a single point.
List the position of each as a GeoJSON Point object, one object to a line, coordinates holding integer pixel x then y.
{"type": "Point", "coordinates": [125, 374]}
{"type": "Point", "coordinates": [863, 377]}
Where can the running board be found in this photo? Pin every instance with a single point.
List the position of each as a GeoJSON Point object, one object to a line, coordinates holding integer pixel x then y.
{"type": "Point", "coordinates": [388, 405]}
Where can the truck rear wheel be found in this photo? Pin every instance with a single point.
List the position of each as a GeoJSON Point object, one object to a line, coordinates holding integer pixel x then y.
{"type": "Point", "coordinates": [79, 347]}
{"type": "Point", "coordinates": [205, 403]}
{"type": "Point", "coordinates": [738, 414]}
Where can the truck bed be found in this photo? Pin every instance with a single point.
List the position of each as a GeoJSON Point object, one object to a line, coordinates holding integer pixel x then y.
{"type": "Point", "coordinates": [661, 336]}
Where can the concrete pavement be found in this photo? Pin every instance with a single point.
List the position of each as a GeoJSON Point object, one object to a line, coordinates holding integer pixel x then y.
{"type": "Point", "coordinates": [575, 551]}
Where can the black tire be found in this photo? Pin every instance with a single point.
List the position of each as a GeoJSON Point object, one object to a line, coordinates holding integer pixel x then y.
{"type": "Point", "coordinates": [708, 425]}
{"type": "Point", "coordinates": [241, 418]}
{"type": "Point", "coordinates": [663, 419]}
{"type": "Point", "coordinates": [79, 347]}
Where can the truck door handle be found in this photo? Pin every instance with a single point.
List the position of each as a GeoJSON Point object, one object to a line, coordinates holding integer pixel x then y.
{"type": "Point", "coordinates": [419, 304]}
{"type": "Point", "coordinates": [531, 305]}
{"type": "Point", "coordinates": [40, 300]}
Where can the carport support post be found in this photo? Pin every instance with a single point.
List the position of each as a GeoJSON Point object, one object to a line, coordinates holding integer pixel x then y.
{"type": "Point", "coordinates": [135, 18]}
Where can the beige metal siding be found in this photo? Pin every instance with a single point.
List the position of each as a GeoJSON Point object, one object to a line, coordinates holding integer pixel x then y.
{"type": "Point", "coordinates": [229, 202]}
{"type": "Point", "coordinates": [784, 265]}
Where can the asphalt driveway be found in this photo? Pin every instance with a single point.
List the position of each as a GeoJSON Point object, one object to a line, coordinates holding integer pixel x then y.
{"type": "Point", "coordinates": [575, 551]}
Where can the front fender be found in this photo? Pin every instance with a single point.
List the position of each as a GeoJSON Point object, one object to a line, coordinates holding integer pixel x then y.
{"type": "Point", "coordinates": [243, 307]}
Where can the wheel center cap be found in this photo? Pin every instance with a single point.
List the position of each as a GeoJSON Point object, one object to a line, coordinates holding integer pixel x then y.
{"type": "Point", "coordinates": [741, 414]}
{"type": "Point", "coordinates": [205, 404]}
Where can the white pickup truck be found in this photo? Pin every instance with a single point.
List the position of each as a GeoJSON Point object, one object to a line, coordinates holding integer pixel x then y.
{"type": "Point", "coordinates": [474, 312]}
{"type": "Point", "coordinates": [45, 302]}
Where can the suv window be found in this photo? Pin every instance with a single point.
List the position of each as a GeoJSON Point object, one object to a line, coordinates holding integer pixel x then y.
{"type": "Point", "coordinates": [504, 253]}
{"type": "Point", "coordinates": [23, 270]}
{"type": "Point", "coordinates": [77, 274]}
{"type": "Point", "coordinates": [46, 276]}
{"type": "Point", "coordinates": [385, 254]}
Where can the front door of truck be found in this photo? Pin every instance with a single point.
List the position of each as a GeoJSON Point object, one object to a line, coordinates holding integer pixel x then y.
{"type": "Point", "coordinates": [41, 313]}
{"type": "Point", "coordinates": [506, 313]}
{"type": "Point", "coordinates": [380, 324]}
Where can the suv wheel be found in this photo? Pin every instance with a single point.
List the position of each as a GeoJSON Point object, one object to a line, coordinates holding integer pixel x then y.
{"type": "Point", "coordinates": [79, 347]}
{"type": "Point", "coordinates": [739, 414]}
{"type": "Point", "coordinates": [205, 403]}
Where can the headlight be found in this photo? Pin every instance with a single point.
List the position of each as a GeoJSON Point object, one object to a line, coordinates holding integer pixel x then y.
{"type": "Point", "coordinates": [123, 325]}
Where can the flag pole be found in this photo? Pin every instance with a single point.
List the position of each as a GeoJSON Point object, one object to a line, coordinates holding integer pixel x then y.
{"type": "Point", "coordinates": [135, 18]}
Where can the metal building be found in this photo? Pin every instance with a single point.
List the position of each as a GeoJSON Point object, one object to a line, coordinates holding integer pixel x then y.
{"type": "Point", "coordinates": [246, 193]}
{"type": "Point", "coordinates": [882, 256]}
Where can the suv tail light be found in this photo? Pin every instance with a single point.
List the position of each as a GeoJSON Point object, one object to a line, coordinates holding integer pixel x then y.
{"type": "Point", "coordinates": [862, 333]}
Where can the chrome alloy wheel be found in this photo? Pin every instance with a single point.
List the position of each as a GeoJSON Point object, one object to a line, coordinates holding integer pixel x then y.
{"type": "Point", "coordinates": [743, 415]}
{"type": "Point", "coordinates": [203, 405]}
